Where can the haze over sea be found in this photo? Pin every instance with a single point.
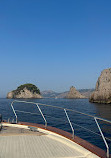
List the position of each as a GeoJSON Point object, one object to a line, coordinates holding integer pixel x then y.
{"type": "Point", "coordinates": [56, 117]}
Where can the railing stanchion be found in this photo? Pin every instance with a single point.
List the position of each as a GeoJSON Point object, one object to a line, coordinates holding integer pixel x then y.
{"type": "Point", "coordinates": [70, 123]}
{"type": "Point", "coordinates": [42, 115]}
{"type": "Point", "coordinates": [14, 111]}
{"type": "Point", "coordinates": [102, 136]}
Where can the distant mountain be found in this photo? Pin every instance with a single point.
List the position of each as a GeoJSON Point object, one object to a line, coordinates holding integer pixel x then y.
{"type": "Point", "coordinates": [49, 94]}
{"type": "Point", "coordinates": [62, 95]}
{"type": "Point", "coordinates": [52, 94]}
{"type": "Point", "coordinates": [86, 92]}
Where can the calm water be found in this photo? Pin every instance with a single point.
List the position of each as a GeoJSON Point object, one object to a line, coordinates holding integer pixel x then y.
{"type": "Point", "coordinates": [57, 118]}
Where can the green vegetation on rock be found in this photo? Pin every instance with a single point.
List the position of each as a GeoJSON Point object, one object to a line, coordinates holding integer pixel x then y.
{"type": "Point", "coordinates": [28, 86]}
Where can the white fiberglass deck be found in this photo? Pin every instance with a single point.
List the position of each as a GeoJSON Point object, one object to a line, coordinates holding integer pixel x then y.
{"type": "Point", "coordinates": [41, 144]}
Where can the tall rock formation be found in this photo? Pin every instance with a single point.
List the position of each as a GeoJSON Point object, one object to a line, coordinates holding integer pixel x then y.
{"type": "Point", "coordinates": [73, 94]}
{"type": "Point", "coordinates": [102, 93]}
{"type": "Point", "coordinates": [25, 91]}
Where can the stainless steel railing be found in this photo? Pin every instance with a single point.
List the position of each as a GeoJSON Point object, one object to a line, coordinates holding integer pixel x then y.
{"type": "Point", "coordinates": [14, 111]}
{"type": "Point", "coordinates": [65, 110]}
{"type": "Point", "coordinates": [102, 137]}
{"type": "Point", "coordinates": [70, 123]}
{"type": "Point", "coordinates": [42, 115]}
{"type": "Point", "coordinates": [28, 103]}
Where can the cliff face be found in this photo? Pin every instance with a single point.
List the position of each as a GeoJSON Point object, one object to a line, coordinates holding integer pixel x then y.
{"type": "Point", "coordinates": [102, 93]}
{"type": "Point", "coordinates": [73, 94]}
{"type": "Point", "coordinates": [24, 92]}
{"type": "Point", "coordinates": [10, 95]}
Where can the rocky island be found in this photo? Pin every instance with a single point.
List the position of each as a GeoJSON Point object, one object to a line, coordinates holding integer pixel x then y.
{"type": "Point", "coordinates": [74, 94]}
{"type": "Point", "coordinates": [102, 93]}
{"type": "Point", "coordinates": [25, 91]}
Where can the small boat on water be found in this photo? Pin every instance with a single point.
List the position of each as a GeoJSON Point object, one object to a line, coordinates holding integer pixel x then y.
{"type": "Point", "coordinates": [31, 140]}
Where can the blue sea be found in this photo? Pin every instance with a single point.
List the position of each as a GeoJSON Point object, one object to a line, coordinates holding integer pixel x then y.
{"type": "Point", "coordinates": [84, 126]}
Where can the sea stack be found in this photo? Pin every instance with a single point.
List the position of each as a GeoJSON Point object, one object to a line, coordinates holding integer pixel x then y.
{"type": "Point", "coordinates": [102, 93]}
{"type": "Point", "coordinates": [25, 91]}
{"type": "Point", "coordinates": [74, 94]}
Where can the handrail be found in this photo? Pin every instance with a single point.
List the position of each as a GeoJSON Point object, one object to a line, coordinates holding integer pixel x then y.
{"type": "Point", "coordinates": [102, 136]}
{"type": "Point", "coordinates": [70, 123]}
{"type": "Point", "coordinates": [29, 103]}
{"type": "Point", "coordinates": [99, 118]}
{"type": "Point", "coordinates": [27, 112]}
